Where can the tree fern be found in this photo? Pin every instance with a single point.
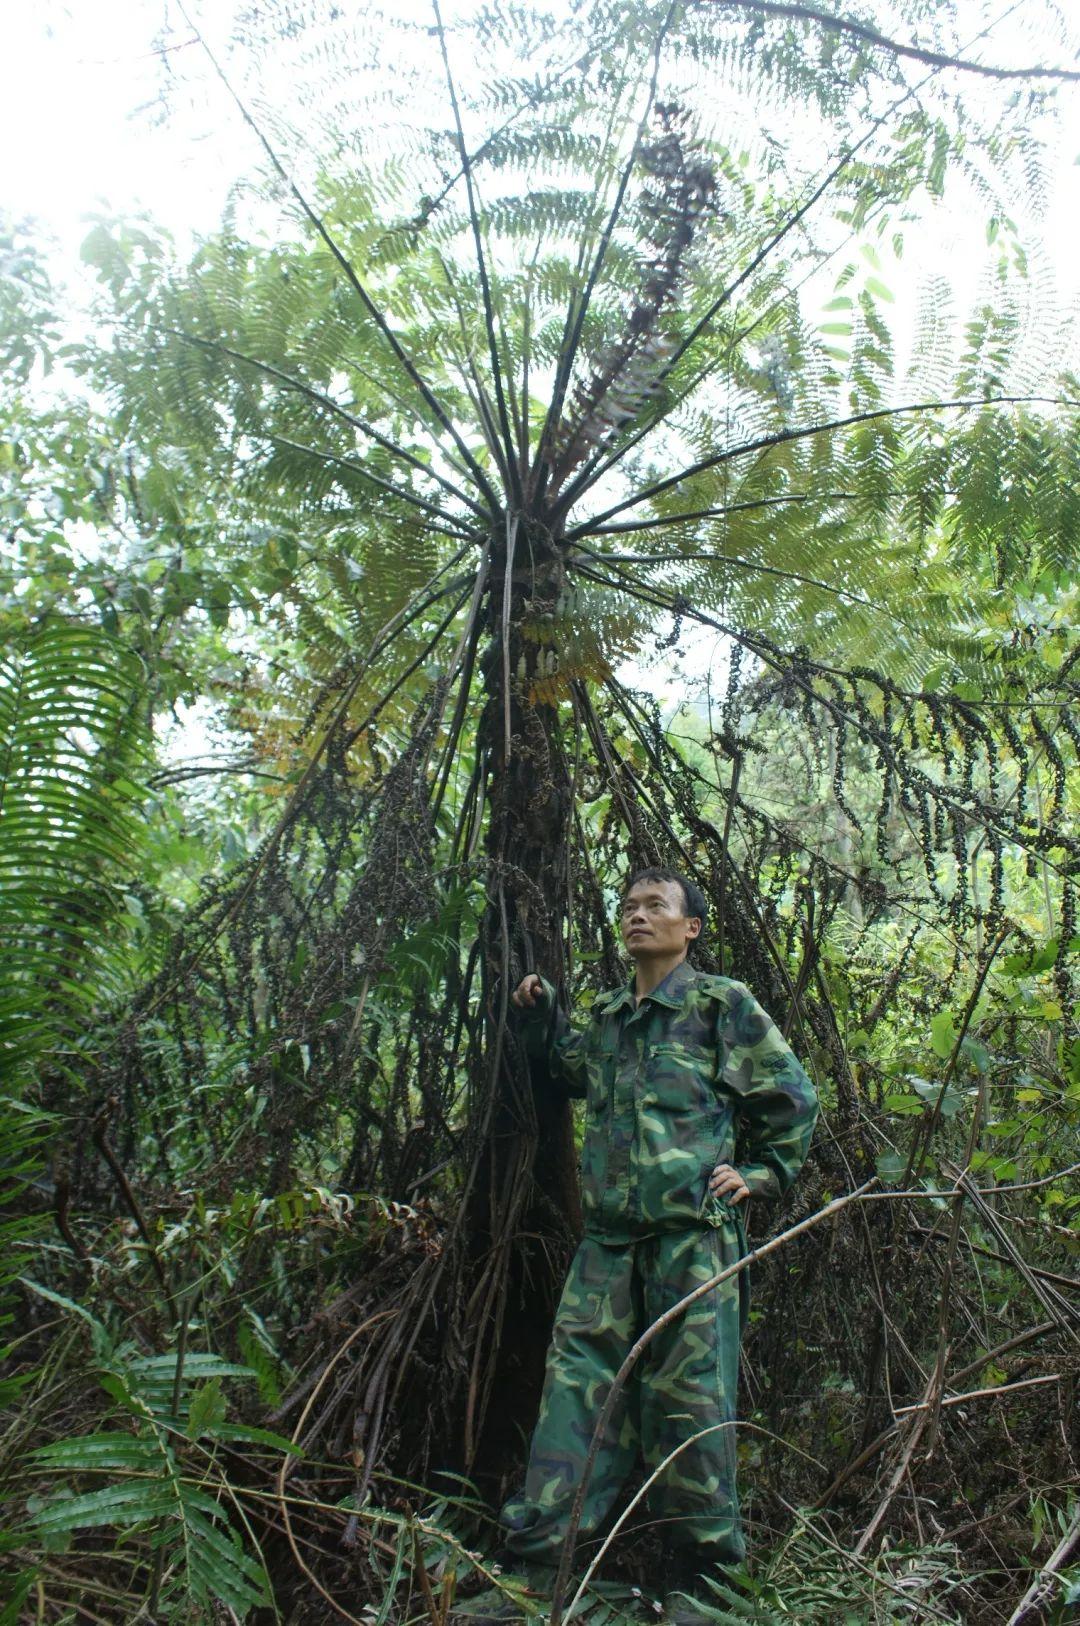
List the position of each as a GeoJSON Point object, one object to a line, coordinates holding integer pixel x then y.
{"type": "Point", "coordinates": [502, 408]}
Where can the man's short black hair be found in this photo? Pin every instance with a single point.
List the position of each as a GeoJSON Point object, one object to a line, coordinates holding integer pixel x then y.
{"type": "Point", "coordinates": [693, 897]}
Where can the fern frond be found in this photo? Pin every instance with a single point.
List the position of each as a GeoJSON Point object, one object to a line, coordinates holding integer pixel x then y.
{"type": "Point", "coordinates": [71, 744]}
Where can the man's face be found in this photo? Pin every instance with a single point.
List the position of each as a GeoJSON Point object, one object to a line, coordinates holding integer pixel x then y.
{"type": "Point", "coordinates": [655, 922]}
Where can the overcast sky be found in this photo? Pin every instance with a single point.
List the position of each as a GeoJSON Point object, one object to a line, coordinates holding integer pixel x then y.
{"type": "Point", "coordinates": [78, 130]}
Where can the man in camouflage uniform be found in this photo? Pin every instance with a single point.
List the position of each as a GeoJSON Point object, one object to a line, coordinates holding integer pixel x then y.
{"type": "Point", "coordinates": [670, 1067]}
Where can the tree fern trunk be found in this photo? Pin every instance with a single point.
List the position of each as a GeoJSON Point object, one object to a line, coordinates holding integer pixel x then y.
{"type": "Point", "coordinates": [525, 1212]}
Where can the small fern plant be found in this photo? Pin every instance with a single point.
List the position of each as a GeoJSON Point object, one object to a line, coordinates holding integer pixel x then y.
{"type": "Point", "coordinates": [157, 1480]}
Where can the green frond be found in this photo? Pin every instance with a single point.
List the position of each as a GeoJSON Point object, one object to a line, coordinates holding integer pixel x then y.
{"type": "Point", "coordinates": [71, 741]}
{"type": "Point", "coordinates": [159, 1495]}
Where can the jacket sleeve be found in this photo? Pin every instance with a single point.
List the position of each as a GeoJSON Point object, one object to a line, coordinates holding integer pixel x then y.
{"type": "Point", "coordinates": [547, 1036]}
{"type": "Point", "coordinates": [775, 1100]}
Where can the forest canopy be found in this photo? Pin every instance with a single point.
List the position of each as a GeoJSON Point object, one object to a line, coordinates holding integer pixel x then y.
{"type": "Point", "coordinates": [561, 459]}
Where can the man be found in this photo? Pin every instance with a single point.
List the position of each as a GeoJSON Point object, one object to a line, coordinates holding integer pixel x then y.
{"type": "Point", "coordinates": [670, 1067]}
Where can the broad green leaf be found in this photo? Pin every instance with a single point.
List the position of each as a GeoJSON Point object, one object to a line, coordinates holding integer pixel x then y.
{"type": "Point", "coordinates": [207, 1409]}
{"type": "Point", "coordinates": [942, 1034]}
{"type": "Point", "coordinates": [101, 1450]}
{"type": "Point", "coordinates": [890, 1167]}
{"type": "Point", "coordinates": [59, 1299]}
{"type": "Point", "coordinates": [131, 1503]}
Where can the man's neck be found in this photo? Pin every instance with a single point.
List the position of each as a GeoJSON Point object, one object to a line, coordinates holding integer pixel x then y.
{"type": "Point", "coordinates": [650, 972]}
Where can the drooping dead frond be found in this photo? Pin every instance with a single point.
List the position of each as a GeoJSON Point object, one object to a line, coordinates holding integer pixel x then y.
{"type": "Point", "coordinates": [680, 186]}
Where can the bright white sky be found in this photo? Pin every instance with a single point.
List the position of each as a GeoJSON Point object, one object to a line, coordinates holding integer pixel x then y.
{"type": "Point", "coordinates": [78, 126]}
{"type": "Point", "coordinates": [81, 134]}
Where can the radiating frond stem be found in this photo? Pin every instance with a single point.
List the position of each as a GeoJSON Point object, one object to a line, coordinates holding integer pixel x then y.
{"type": "Point", "coordinates": [782, 437]}
{"type": "Point", "coordinates": [401, 355]}
{"type": "Point", "coordinates": [605, 458]}
{"type": "Point", "coordinates": [445, 527]}
{"type": "Point", "coordinates": [664, 521]}
{"type": "Point", "coordinates": [526, 363]}
{"type": "Point", "coordinates": [416, 606]}
{"type": "Point", "coordinates": [480, 401]}
{"type": "Point", "coordinates": [474, 387]}
{"type": "Point", "coordinates": [413, 666]}
{"type": "Point", "coordinates": [520, 433]}
{"type": "Point", "coordinates": [605, 754]}
{"type": "Point", "coordinates": [433, 204]}
{"type": "Point", "coordinates": [466, 828]}
{"type": "Point", "coordinates": [407, 408]}
{"type": "Point", "coordinates": [508, 576]}
{"type": "Point", "coordinates": [490, 321]}
{"type": "Point", "coordinates": [577, 311]}
{"type": "Point", "coordinates": [740, 335]}
{"type": "Point", "coordinates": [215, 346]}
{"type": "Point", "coordinates": [465, 657]}
{"type": "Point", "coordinates": [753, 565]}
{"type": "Point", "coordinates": [820, 260]}
{"type": "Point", "coordinates": [584, 249]}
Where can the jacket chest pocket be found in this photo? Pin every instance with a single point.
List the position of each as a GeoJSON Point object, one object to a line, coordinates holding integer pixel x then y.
{"type": "Point", "coordinates": [679, 1077]}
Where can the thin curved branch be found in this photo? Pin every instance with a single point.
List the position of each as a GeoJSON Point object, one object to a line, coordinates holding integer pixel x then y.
{"type": "Point", "coordinates": [847, 25]}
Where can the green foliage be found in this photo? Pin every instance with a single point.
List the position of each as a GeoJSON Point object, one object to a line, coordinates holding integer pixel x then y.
{"type": "Point", "coordinates": [71, 738]}
{"type": "Point", "coordinates": [168, 1497]}
{"type": "Point", "coordinates": [23, 1134]}
{"type": "Point", "coordinates": [28, 316]}
{"type": "Point", "coordinates": [811, 1579]}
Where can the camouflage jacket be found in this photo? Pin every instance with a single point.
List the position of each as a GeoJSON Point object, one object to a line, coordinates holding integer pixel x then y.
{"type": "Point", "coordinates": [667, 1084]}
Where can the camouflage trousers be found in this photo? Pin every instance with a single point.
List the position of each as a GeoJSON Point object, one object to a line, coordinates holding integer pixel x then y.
{"type": "Point", "coordinates": [684, 1382]}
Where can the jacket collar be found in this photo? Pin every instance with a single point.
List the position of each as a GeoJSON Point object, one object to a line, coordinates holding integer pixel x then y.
{"type": "Point", "coordinates": [671, 992]}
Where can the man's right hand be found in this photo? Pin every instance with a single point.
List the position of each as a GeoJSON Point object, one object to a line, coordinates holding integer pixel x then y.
{"type": "Point", "coordinates": [528, 993]}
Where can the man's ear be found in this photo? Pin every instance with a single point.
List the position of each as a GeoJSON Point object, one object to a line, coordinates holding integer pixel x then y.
{"type": "Point", "coordinates": [694, 925]}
